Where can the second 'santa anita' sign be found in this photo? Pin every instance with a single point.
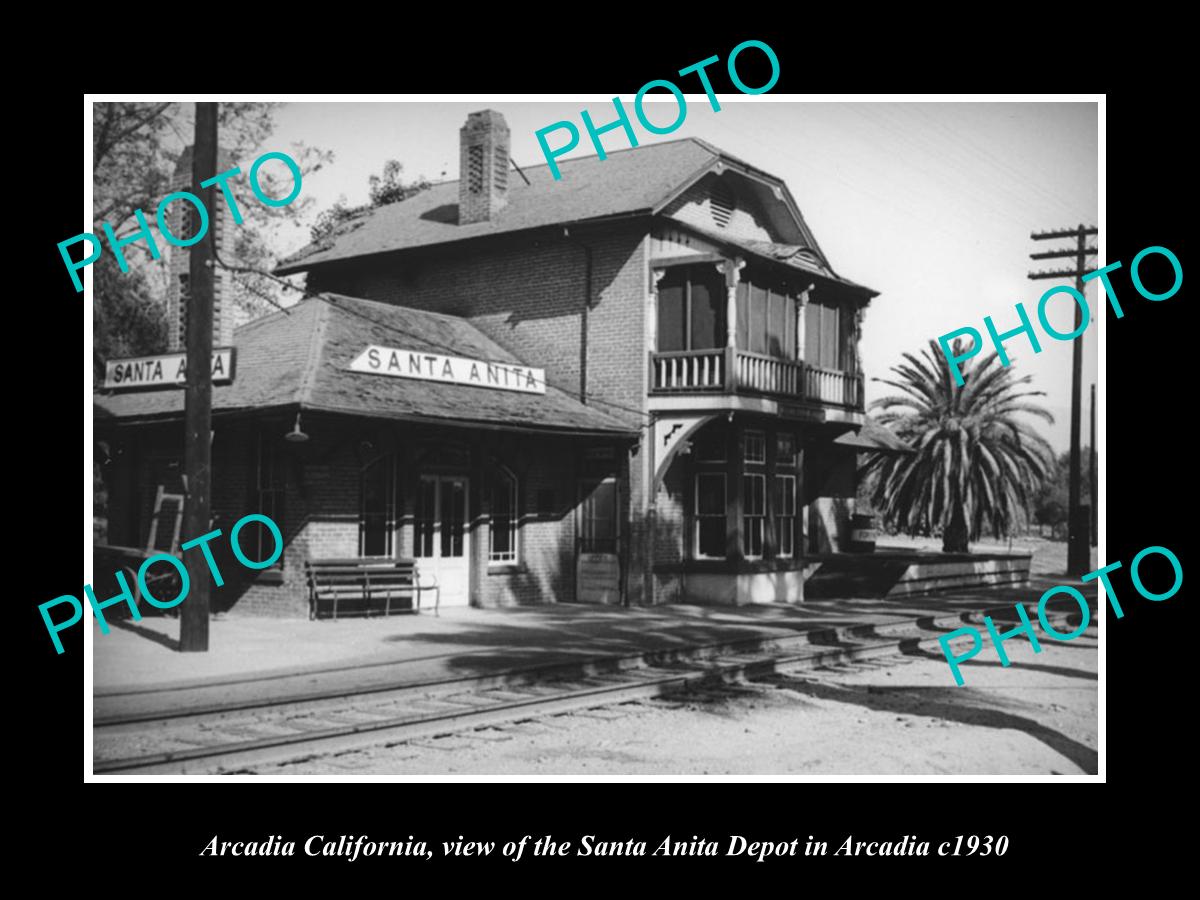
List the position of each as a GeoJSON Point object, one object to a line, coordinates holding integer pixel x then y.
{"type": "Point", "coordinates": [377, 360]}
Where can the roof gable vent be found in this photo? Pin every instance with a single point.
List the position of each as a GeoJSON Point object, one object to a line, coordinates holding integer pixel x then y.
{"type": "Point", "coordinates": [721, 203]}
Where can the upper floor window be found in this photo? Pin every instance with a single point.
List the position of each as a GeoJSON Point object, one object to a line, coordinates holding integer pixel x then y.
{"type": "Point", "coordinates": [691, 308]}
{"type": "Point", "coordinates": [766, 317]}
{"type": "Point", "coordinates": [823, 336]}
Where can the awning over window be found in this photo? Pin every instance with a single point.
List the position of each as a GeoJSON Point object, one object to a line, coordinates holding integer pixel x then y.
{"type": "Point", "coordinates": [875, 437]}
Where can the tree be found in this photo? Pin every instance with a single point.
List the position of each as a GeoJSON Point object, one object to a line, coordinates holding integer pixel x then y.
{"type": "Point", "coordinates": [1050, 506]}
{"type": "Point", "coordinates": [135, 148]}
{"type": "Point", "coordinates": [977, 462]}
{"type": "Point", "coordinates": [383, 189]}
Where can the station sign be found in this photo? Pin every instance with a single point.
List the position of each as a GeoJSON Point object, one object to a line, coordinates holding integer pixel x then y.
{"type": "Point", "coordinates": [167, 370]}
{"type": "Point", "coordinates": [424, 366]}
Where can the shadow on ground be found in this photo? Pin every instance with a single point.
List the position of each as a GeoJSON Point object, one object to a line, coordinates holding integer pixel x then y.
{"type": "Point", "coordinates": [148, 633]}
{"type": "Point", "coordinates": [962, 705]}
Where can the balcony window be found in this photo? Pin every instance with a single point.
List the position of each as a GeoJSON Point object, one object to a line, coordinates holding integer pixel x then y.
{"type": "Point", "coordinates": [823, 336]}
{"type": "Point", "coordinates": [766, 318]}
{"type": "Point", "coordinates": [691, 309]}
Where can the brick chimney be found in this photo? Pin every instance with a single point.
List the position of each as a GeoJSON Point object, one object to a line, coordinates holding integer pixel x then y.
{"type": "Point", "coordinates": [482, 167]}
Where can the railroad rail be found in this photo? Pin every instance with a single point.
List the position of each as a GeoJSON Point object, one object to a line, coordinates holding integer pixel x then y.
{"type": "Point", "coordinates": [225, 738]}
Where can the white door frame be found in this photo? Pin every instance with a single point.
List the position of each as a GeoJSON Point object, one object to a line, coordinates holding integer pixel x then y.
{"type": "Point", "coordinates": [454, 578]}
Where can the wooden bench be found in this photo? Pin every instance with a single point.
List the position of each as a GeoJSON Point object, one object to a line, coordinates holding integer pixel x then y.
{"type": "Point", "coordinates": [366, 585]}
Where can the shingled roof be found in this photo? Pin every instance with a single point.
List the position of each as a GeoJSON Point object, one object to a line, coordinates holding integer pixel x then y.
{"type": "Point", "coordinates": [637, 181]}
{"type": "Point", "coordinates": [301, 359]}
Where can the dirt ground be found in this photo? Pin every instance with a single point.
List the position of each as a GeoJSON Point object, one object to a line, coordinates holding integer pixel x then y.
{"type": "Point", "coordinates": [894, 715]}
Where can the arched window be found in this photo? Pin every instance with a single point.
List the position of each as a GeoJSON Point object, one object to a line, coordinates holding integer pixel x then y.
{"type": "Point", "coordinates": [377, 517]}
{"type": "Point", "coordinates": [502, 536]}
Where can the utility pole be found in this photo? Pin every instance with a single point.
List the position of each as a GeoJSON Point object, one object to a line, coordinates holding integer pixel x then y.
{"type": "Point", "coordinates": [1078, 545]}
{"type": "Point", "coordinates": [197, 462]}
{"type": "Point", "coordinates": [1093, 482]}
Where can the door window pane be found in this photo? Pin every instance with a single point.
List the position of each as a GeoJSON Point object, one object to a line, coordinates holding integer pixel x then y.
{"type": "Point", "coordinates": [378, 511]}
{"type": "Point", "coordinates": [598, 520]}
{"type": "Point", "coordinates": [426, 518]}
{"type": "Point", "coordinates": [454, 510]}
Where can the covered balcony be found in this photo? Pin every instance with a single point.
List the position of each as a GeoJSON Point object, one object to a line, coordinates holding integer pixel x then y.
{"type": "Point", "coordinates": [729, 370]}
{"type": "Point", "coordinates": [787, 342]}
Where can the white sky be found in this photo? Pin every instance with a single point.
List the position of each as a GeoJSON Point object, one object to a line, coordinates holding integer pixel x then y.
{"type": "Point", "coordinates": [931, 204]}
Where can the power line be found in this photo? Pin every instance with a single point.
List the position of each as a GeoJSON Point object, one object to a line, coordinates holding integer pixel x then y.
{"type": "Point", "coordinates": [1078, 552]}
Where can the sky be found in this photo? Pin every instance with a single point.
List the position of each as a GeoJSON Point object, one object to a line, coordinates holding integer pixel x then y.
{"type": "Point", "coordinates": [931, 204]}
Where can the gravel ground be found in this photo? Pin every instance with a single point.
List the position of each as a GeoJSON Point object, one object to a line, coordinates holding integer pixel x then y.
{"type": "Point", "coordinates": [899, 714]}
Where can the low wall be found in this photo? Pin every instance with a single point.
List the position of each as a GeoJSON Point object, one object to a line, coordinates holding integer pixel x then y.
{"type": "Point", "coordinates": [738, 589]}
{"type": "Point", "coordinates": [924, 577]}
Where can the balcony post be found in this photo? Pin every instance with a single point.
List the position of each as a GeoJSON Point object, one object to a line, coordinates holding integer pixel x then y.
{"type": "Point", "coordinates": [800, 317]}
{"type": "Point", "coordinates": [656, 275]}
{"type": "Point", "coordinates": [731, 268]}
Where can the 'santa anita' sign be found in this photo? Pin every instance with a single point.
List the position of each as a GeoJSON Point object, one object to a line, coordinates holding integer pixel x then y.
{"type": "Point", "coordinates": [169, 369]}
{"type": "Point", "coordinates": [454, 369]}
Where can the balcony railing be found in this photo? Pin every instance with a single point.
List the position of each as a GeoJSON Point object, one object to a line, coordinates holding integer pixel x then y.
{"type": "Point", "coordinates": [688, 370]}
{"type": "Point", "coordinates": [728, 370]}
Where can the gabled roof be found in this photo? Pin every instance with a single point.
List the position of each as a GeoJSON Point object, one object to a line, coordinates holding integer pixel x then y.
{"type": "Point", "coordinates": [637, 181]}
{"type": "Point", "coordinates": [628, 182]}
{"type": "Point", "coordinates": [301, 358]}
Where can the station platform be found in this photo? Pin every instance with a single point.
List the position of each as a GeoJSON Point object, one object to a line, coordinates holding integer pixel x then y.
{"type": "Point", "coordinates": [137, 666]}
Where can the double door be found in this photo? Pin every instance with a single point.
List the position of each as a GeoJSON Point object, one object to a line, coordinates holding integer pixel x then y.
{"type": "Point", "coordinates": [442, 539]}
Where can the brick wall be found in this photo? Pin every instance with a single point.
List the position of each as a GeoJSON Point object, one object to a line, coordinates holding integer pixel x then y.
{"type": "Point", "coordinates": [528, 295]}
{"type": "Point", "coordinates": [322, 497]}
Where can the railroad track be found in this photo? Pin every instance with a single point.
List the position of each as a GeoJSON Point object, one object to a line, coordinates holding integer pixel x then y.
{"type": "Point", "coordinates": [223, 739]}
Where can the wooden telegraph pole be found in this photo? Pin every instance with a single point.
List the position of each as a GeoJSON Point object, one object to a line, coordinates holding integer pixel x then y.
{"type": "Point", "coordinates": [1093, 478]}
{"type": "Point", "coordinates": [197, 463]}
{"type": "Point", "coordinates": [1078, 545]}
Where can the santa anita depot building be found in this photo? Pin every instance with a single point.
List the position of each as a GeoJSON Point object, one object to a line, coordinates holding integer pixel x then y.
{"type": "Point", "coordinates": [638, 384]}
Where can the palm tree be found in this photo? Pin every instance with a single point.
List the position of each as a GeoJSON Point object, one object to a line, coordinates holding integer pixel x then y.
{"type": "Point", "coordinates": [976, 462]}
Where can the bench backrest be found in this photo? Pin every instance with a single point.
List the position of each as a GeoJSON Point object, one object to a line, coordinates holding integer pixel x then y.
{"type": "Point", "coordinates": [377, 570]}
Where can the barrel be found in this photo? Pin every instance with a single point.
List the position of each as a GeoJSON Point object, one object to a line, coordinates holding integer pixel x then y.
{"type": "Point", "coordinates": [862, 533]}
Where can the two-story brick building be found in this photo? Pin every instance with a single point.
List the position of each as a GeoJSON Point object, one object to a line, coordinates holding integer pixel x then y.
{"type": "Point", "coordinates": [694, 439]}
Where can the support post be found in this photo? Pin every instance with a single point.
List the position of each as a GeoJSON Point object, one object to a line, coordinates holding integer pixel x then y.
{"type": "Point", "coordinates": [197, 459]}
